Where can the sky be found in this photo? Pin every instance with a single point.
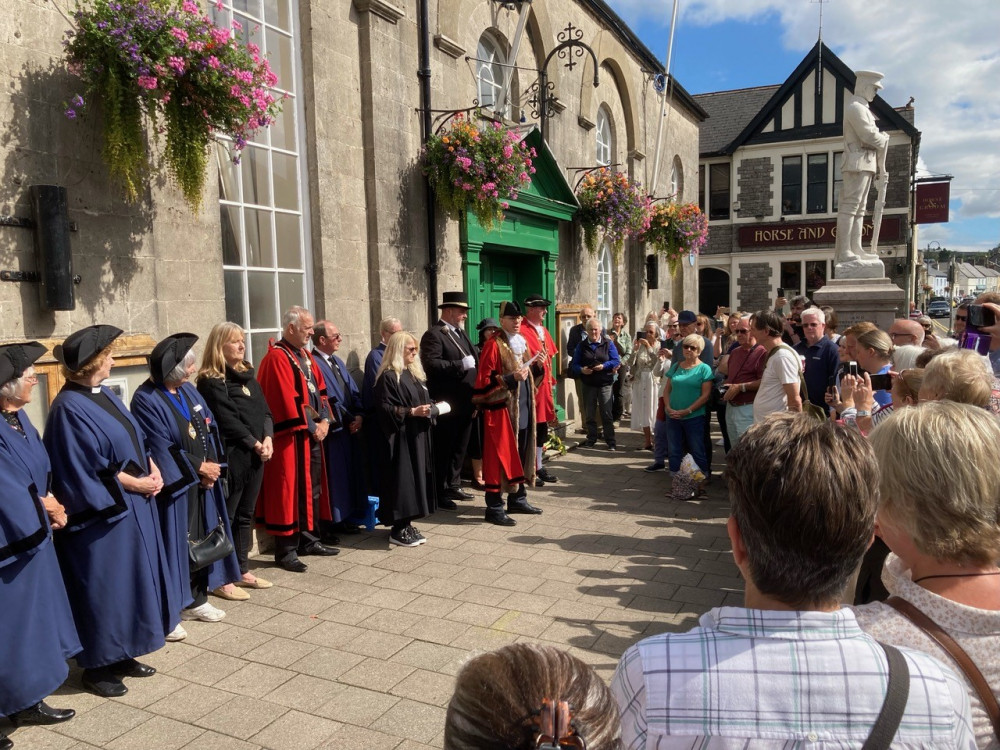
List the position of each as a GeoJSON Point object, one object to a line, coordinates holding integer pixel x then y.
{"type": "Point", "coordinates": [944, 54]}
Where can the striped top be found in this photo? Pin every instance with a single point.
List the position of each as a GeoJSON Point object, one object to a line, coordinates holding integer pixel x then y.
{"type": "Point", "coordinates": [757, 679]}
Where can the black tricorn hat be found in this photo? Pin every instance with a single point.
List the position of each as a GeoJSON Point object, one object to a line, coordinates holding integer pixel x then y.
{"type": "Point", "coordinates": [168, 354]}
{"type": "Point", "coordinates": [454, 299]}
{"type": "Point", "coordinates": [536, 300]}
{"type": "Point", "coordinates": [16, 358]}
{"type": "Point", "coordinates": [82, 346]}
{"type": "Point", "coordinates": [510, 310]}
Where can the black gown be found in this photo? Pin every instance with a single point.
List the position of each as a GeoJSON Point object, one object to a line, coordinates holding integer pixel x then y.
{"type": "Point", "coordinates": [408, 487]}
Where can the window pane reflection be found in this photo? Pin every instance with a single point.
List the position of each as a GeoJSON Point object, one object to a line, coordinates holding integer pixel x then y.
{"type": "Point", "coordinates": [279, 52]}
{"type": "Point", "coordinates": [283, 128]}
{"type": "Point", "coordinates": [234, 297]}
{"type": "Point", "coordinates": [230, 235]}
{"type": "Point", "coordinates": [286, 181]}
{"type": "Point", "coordinates": [258, 345]}
{"type": "Point", "coordinates": [263, 305]}
{"type": "Point", "coordinates": [290, 290]}
{"type": "Point", "coordinates": [277, 13]}
{"type": "Point", "coordinates": [288, 240]}
{"type": "Point", "coordinates": [259, 238]}
{"type": "Point", "coordinates": [255, 183]}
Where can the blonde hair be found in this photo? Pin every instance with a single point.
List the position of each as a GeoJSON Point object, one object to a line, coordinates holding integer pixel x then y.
{"type": "Point", "coordinates": [213, 361]}
{"type": "Point", "coordinates": [694, 338]}
{"type": "Point", "coordinates": [858, 328]}
{"type": "Point", "coordinates": [939, 478]}
{"type": "Point", "coordinates": [95, 364]}
{"type": "Point", "coordinates": [394, 360]}
{"type": "Point", "coordinates": [959, 375]}
{"type": "Point", "coordinates": [876, 339]}
{"type": "Point", "coordinates": [909, 382]}
{"type": "Point", "coordinates": [497, 694]}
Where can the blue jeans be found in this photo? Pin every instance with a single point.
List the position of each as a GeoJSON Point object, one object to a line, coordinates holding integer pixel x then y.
{"type": "Point", "coordinates": [661, 443]}
{"type": "Point", "coordinates": [687, 436]}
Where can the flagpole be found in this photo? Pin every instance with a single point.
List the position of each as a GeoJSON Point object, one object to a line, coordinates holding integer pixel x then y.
{"type": "Point", "coordinates": [663, 103]}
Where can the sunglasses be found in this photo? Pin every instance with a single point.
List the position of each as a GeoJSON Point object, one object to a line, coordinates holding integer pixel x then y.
{"type": "Point", "coordinates": [411, 349]}
{"type": "Point", "coordinates": [742, 330]}
{"type": "Point", "coordinates": [962, 317]}
{"type": "Point", "coordinates": [690, 348]}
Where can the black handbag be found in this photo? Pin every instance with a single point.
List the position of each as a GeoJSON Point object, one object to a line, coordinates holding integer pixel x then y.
{"type": "Point", "coordinates": [213, 547]}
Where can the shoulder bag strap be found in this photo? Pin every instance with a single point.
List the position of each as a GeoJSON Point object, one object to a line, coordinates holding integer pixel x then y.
{"type": "Point", "coordinates": [803, 393]}
{"type": "Point", "coordinates": [965, 663]}
{"type": "Point", "coordinates": [896, 695]}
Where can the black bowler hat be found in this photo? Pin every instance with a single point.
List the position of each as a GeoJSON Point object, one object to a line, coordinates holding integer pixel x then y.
{"type": "Point", "coordinates": [510, 310]}
{"type": "Point", "coordinates": [487, 323]}
{"type": "Point", "coordinates": [16, 358]}
{"type": "Point", "coordinates": [536, 300]}
{"type": "Point", "coordinates": [83, 345]}
{"type": "Point", "coordinates": [168, 354]}
{"type": "Point", "coordinates": [454, 299]}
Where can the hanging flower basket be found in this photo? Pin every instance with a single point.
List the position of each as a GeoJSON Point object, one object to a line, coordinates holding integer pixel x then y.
{"type": "Point", "coordinates": [477, 169]}
{"type": "Point", "coordinates": [611, 207]}
{"type": "Point", "coordinates": [676, 230]}
{"type": "Point", "coordinates": [166, 61]}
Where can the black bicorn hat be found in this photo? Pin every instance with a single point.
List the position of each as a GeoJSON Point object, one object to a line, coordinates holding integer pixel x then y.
{"type": "Point", "coordinates": [82, 346]}
{"type": "Point", "coordinates": [169, 353]}
{"type": "Point", "coordinates": [510, 310]}
{"type": "Point", "coordinates": [454, 299]}
{"type": "Point", "coordinates": [16, 358]}
{"type": "Point", "coordinates": [536, 300]}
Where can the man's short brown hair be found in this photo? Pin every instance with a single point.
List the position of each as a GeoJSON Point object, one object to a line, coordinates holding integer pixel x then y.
{"type": "Point", "coordinates": [769, 321]}
{"type": "Point", "coordinates": [804, 496]}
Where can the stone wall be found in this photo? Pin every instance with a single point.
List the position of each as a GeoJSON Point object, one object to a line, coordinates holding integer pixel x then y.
{"type": "Point", "coordinates": [755, 183]}
{"type": "Point", "coordinates": [754, 286]}
{"type": "Point", "coordinates": [720, 239]}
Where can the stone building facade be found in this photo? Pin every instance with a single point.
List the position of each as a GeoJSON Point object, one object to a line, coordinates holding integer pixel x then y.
{"type": "Point", "coordinates": [328, 208]}
{"type": "Point", "coordinates": [770, 179]}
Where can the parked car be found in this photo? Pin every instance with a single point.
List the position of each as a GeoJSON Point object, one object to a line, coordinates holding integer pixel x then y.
{"type": "Point", "coordinates": [939, 309]}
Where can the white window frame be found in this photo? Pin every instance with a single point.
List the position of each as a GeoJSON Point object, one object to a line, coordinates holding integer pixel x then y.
{"type": "Point", "coordinates": [605, 284]}
{"type": "Point", "coordinates": [604, 145]}
{"type": "Point", "coordinates": [489, 72]}
{"type": "Point", "coordinates": [257, 335]}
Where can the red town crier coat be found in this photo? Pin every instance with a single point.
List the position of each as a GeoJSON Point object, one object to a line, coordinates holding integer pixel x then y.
{"type": "Point", "coordinates": [502, 466]}
{"type": "Point", "coordinates": [545, 408]}
{"type": "Point", "coordinates": [287, 484]}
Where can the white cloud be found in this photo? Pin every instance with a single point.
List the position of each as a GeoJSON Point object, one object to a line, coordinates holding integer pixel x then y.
{"type": "Point", "coordinates": [945, 54]}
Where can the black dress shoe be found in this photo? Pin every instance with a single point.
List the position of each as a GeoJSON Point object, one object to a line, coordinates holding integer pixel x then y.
{"type": "Point", "coordinates": [318, 548]}
{"type": "Point", "coordinates": [457, 494]}
{"type": "Point", "coordinates": [103, 682]}
{"type": "Point", "coordinates": [521, 505]}
{"type": "Point", "coordinates": [499, 517]}
{"type": "Point", "coordinates": [588, 443]}
{"type": "Point", "coordinates": [132, 668]}
{"type": "Point", "coordinates": [445, 504]}
{"type": "Point", "coordinates": [5, 743]}
{"type": "Point", "coordinates": [546, 476]}
{"type": "Point", "coordinates": [41, 713]}
{"type": "Point", "coordinates": [292, 565]}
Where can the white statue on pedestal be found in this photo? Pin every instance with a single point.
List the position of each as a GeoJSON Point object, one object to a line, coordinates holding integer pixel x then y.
{"type": "Point", "coordinates": [864, 163]}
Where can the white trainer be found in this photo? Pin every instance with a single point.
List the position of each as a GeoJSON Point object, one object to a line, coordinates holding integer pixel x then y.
{"type": "Point", "coordinates": [204, 612]}
{"type": "Point", "coordinates": [177, 634]}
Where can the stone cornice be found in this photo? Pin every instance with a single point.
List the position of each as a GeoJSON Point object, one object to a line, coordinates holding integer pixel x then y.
{"type": "Point", "coordinates": [382, 8]}
{"type": "Point", "coordinates": [449, 46]}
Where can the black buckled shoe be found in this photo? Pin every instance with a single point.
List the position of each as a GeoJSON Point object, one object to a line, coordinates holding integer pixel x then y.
{"type": "Point", "coordinates": [103, 682]}
{"type": "Point", "coordinates": [292, 564]}
{"type": "Point", "coordinates": [546, 476]}
{"type": "Point", "coordinates": [41, 713]}
{"type": "Point", "coordinates": [499, 517]}
{"type": "Point", "coordinates": [132, 668]}
{"type": "Point", "coordinates": [520, 504]}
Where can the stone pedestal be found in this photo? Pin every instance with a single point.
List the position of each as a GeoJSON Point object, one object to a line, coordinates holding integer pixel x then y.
{"type": "Point", "coordinates": [877, 300]}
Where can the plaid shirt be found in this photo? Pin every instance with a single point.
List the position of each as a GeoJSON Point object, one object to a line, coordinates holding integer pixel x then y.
{"type": "Point", "coordinates": [772, 679]}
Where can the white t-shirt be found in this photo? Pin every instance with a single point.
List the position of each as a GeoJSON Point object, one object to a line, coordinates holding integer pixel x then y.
{"type": "Point", "coordinates": [782, 368]}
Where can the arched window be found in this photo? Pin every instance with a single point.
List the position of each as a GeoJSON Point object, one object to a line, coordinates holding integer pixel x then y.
{"type": "Point", "coordinates": [604, 285]}
{"type": "Point", "coordinates": [489, 71]}
{"type": "Point", "coordinates": [602, 135]}
{"type": "Point", "coordinates": [677, 179]}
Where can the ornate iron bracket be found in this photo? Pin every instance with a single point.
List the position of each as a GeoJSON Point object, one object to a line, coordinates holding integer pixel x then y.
{"type": "Point", "coordinates": [584, 171]}
{"type": "Point", "coordinates": [570, 48]}
{"type": "Point", "coordinates": [443, 116]}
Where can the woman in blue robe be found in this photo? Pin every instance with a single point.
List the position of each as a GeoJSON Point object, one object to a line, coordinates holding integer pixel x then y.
{"type": "Point", "coordinates": [111, 551]}
{"type": "Point", "coordinates": [36, 623]}
{"type": "Point", "coordinates": [184, 440]}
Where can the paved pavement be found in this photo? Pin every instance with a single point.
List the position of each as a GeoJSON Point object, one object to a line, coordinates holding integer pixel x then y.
{"type": "Point", "coordinates": [361, 651]}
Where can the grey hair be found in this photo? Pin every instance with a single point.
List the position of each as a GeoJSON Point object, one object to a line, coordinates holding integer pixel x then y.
{"type": "Point", "coordinates": [180, 372]}
{"type": "Point", "coordinates": [386, 326]}
{"type": "Point", "coordinates": [815, 312]}
{"type": "Point", "coordinates": [12, 387]}
{"type": "Point", "coordinates": [292, 315]}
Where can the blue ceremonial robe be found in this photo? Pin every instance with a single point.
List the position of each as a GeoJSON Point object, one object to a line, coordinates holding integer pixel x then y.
{"type": "Point", "coordinates": [344, 475]}
{"type": "Point", "coordinates": [180, 478]}
{"type": "Point", "coordinates": [372, 433]}
{"type": "Point", "coordinates": [36, 623]}
{"type": "Point", "coordinates": [111, 551]}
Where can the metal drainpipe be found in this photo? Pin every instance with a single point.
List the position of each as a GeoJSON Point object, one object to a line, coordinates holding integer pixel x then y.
{"type": "Point", "coordinates": [424, 74]}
